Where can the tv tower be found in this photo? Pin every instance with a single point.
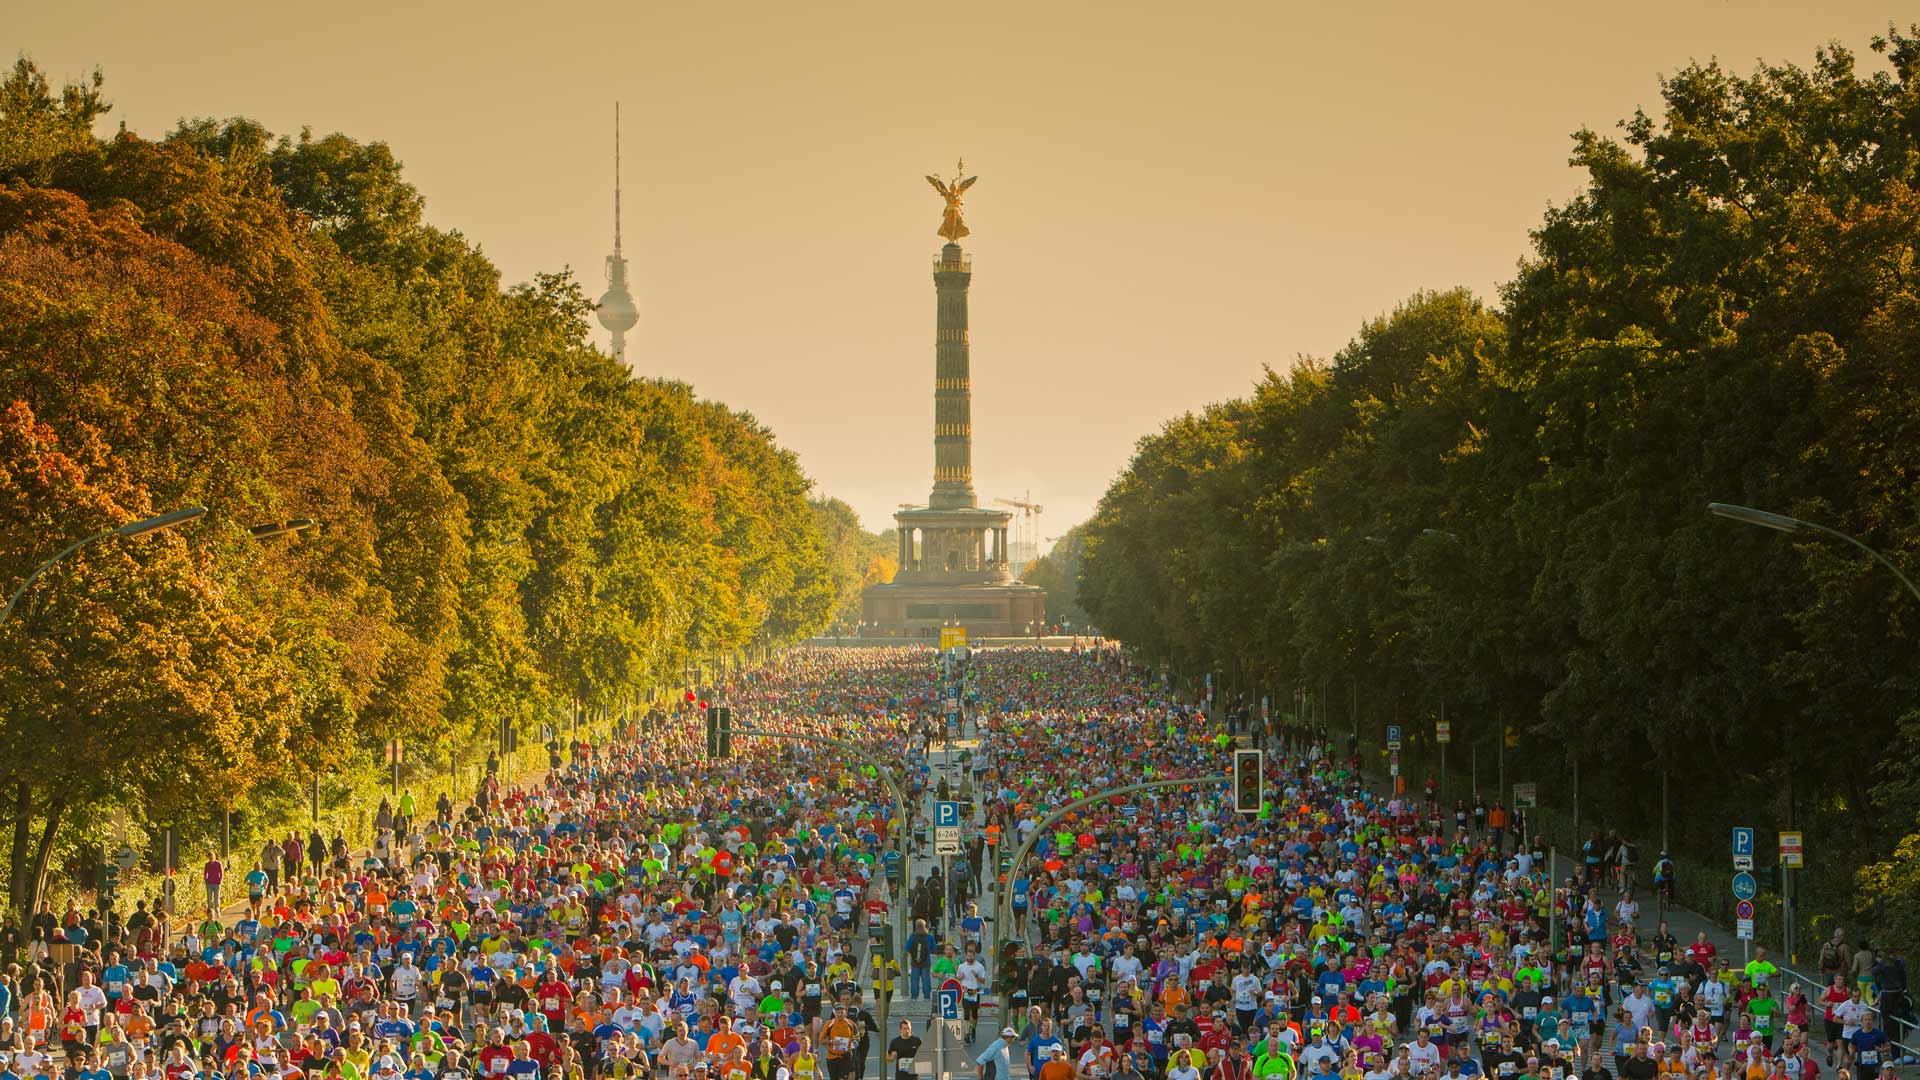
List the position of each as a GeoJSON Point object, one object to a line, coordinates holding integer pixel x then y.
{"type": "Point", "coordinates": [616, 311]}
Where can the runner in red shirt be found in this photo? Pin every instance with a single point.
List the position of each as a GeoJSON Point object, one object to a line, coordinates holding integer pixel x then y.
{"type": "Point", "coordinates": [555, 997]}
{"type": "Point", "coordinates": [495, 1056]}
{"type": "Point", "coordinates": [1702, 951]}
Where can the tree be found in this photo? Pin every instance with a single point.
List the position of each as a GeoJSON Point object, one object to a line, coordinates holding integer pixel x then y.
{"type": "Point", "coordinates": [36, 126]}
{"type": "Point", "coordinates": [268, 326]}
{"type": "Point", "coordinates": [1058, 572]}
{"type": "Point", "coordinates": [1504, 510]}
{"type": "Point", "coordinates": [856, 557]}
{"type": "Point", "coordinates": [136, 667]}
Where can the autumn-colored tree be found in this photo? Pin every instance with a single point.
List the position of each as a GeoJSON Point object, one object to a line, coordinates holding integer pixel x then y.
{"type": "Point", "coordinates": [857, 557]}
{"type": "Point", "coordinates": [267, 326]}
{"type": "Point", "coordinates": [134, 669]}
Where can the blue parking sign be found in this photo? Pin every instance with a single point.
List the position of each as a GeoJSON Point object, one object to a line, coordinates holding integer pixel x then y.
{"type": "Point", "coordinates": [1742, 842]}
{"type": "Point", "coordinates": [949, 1004]}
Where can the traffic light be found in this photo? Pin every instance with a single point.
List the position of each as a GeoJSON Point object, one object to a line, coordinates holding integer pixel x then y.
{"type": "Point", "coordinates": [1249, 781]}
{"type": "Point", "coordinates": [719, 731]}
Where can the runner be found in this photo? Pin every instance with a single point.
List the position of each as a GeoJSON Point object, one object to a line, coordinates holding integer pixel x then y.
{"type": "Point", "coordinates": [642, 908]}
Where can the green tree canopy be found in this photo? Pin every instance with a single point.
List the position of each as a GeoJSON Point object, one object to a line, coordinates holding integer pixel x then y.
{"type": "Point", "coordinates": [1503, 512]}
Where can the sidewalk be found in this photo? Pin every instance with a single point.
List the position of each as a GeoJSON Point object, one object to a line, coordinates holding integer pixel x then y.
{"type": "Point", "coordinates": [939, 1053]}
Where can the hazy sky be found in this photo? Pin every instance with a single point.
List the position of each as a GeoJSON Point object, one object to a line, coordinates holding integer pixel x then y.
{"type": "Point", "coordinates": [1170, 195]}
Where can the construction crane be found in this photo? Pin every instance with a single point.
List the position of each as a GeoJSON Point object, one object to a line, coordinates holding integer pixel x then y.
{"type": "Point", "coordinates": [1026, 533]}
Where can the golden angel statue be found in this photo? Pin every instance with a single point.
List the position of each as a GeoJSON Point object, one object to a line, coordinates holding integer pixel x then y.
{"type": "Point", "coordinates": [952, 226]}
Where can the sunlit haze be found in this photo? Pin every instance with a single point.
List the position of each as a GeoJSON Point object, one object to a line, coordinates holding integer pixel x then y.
{"type": "Point", "coordinates": [1170, 196]}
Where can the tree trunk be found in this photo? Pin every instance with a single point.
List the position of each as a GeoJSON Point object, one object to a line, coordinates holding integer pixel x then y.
{"type": "Point", "coordinates": [43, 854]}
{"type": "Point", "coordinates": [27, 877]}
{"type": "Point", "coordinates": [17, 864]}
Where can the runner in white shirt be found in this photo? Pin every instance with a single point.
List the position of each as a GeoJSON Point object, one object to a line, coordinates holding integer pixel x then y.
{"type": "Point", "coordinates": [1850, 1013]}
{"type": "Point", "coordinates": [1423, 1055]}
{"type": "Point", "coordinates": [972, 974]}
{"type": "Point", "coordinates": [1246, 989]}
{"type": "Point", "coordinates": [92, 999]}
{"type": "Point", "coordinates": [745, 992]}
{"type": "Point", "coordinates": [1713, 995]}
{"type": "Point", "coordinates": [406, 983]}
{"type": "Point", "coordinates": [1098, 1060]}
{"type": "Point", "coordinates": [1627, 911]}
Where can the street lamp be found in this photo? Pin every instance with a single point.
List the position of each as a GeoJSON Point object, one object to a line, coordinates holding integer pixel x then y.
{"type": "Point", "coordinates": [147, 525]}
{"type": "Point", "coordinates": [1782, 523]}
{"type": "Point", "coordinates": [1766, 519]}
{"type": "Point", "coordinates": [284, 528]}
{"type": "Point", "coordinates": [131, 528]}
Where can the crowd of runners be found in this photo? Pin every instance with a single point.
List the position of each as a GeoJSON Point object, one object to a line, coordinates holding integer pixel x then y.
{"type": "Point", "coordinates": [644, 911]}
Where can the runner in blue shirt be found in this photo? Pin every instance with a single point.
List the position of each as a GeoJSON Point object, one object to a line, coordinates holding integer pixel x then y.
{"type": "Point", "coordinates": [113, 978]}
{"type": "Point", "coordinates": [1869, 1048]}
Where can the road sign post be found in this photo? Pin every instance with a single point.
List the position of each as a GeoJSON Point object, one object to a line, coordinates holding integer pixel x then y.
{"type": "Point", "coordinates": [1791, 859]}
{"type": "Point", "coordinates": [946, 828]}
{"type": "Point", "coordinates": [1745, 888]}
{"type": "Point", "coordinates": [945, 1023]}
{"type": "Point", "coordinates": [396, 753]}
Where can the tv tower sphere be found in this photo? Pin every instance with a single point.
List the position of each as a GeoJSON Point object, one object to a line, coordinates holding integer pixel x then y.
{"type": "Point", "coordinates": [616, 310]}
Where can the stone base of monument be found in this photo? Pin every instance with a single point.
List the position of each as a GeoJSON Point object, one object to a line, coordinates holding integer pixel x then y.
{"type": "Point", "coordinates": [918, 611]}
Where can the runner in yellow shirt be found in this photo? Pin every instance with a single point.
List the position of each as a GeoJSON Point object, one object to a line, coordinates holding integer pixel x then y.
{"type": "Point", "coordinates": [805, 1064]}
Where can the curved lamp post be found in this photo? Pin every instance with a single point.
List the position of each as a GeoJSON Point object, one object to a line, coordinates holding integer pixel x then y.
{"type": "Point", "coordinates": [1003, 903]}
{"type": "Point", "coordinates": [886, 773]}
{"type": "Point", "coordinates": [130, 529]}
{"type": "Point", "coordinates": [1766, 519]}
{"type": "Point", "coordinates": [1782, 523]}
